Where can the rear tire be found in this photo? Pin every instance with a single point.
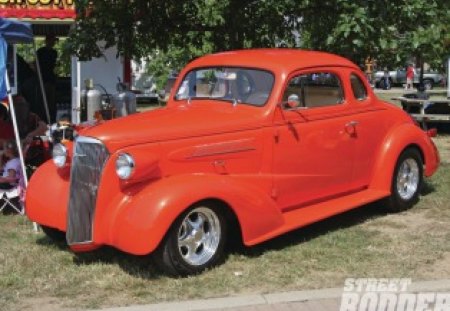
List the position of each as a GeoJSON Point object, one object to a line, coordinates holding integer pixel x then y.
{"type": "Point", "coordinates": [194, 242]}
{"type": "Point", "coordinates": [406, 181]}
{"type": "Point", "coordinates": [54, 234]}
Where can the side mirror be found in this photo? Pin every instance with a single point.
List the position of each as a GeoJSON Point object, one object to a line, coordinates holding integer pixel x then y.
{"type": "Point", "coordinates": [293, 101]}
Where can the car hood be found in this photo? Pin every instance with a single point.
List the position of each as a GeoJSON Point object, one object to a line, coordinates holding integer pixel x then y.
{"type": "Point", "coordinates": [176, 122]}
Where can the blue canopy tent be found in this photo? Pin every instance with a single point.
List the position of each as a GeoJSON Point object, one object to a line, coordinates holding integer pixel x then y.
{"type": "Point", "coordinates": [13, 32]}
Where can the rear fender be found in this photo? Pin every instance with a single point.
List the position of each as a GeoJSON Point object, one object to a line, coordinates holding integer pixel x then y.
{"type": "Point", "coordinates": [143, 219]}
{"type": "Point", "coordinates": [399, 139]}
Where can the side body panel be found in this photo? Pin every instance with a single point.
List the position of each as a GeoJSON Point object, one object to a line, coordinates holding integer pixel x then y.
{"type": "Point", "coordinates": [312, 159]}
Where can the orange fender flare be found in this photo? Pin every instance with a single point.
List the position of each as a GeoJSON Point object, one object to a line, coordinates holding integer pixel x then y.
{"type": "Point", "coordinates": [397, 140]}
{"type": "Point", "coordinates": [142, 221]}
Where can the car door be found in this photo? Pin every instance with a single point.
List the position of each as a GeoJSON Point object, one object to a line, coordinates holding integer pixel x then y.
{"type": "Point", "coordinates": [314, 143]}
{"type": "Point", "coordinates": [371, 126]}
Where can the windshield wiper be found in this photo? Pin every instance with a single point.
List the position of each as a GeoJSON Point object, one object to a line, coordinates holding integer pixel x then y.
{"type": "Point", "coordinates": [189, 99]}
{"type": "Point", "coordinates": [234, 101]}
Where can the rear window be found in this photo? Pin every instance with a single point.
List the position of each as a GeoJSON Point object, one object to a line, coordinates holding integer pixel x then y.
{"type": "Point", "coordinates": [358, 87]}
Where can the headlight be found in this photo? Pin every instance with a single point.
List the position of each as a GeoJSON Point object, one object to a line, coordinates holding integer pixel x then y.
{"type": "Point", "coordinates": [59, 155]}
{"type": "Point", "coordinates": [124, 166]}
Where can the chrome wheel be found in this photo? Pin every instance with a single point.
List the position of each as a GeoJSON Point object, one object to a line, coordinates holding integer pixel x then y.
{"type": "Point", "coordinates": [199, 236]}
{"type": "Point", "coordinates": [408, 178]}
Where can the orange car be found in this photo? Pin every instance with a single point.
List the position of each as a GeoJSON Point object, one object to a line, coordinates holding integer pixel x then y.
{"type": "Point", "coordinates": [258, 142]}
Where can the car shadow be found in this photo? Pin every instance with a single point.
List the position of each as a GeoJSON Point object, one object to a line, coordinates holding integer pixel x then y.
{"type": "Point", "coordinates": [315, 230]}
{"type": "Point", "coordinates": [427, 188]}
{"type": "Point", "coordinates": [305, 234]}
{"type": "Point", "coordinates": [48, 242]}
{"type": "Point", "coordinates": [138, 266]}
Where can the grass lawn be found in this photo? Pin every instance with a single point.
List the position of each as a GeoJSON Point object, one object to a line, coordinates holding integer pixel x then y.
{"type": "Point", "coordinates": [36, 274]}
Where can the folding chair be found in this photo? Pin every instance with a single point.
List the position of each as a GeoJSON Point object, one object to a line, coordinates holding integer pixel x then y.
{"type": "Point", "coordinates": [14, 197]}
{"type": "Point", "coordinates": [11, 198]}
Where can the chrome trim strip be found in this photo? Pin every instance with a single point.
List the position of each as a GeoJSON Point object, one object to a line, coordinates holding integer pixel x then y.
{"type": "Point", "coordinates": [88, 140]}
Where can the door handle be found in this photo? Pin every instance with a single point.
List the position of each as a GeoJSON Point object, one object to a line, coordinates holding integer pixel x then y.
{"type": "Point", "coordinates": [350, 128]}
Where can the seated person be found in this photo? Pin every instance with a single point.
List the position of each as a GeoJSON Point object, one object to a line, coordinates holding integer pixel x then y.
{"type": "Point", "coordinates": [29, 126]}
{"type": "Point", "coordinates": [28, 123]}
{"type": "Point", "coordinates": [6, 128]}
{"type": "Point", "coordinates": [422, 93]}
{"type": "Point", "coordinates": [12, 168]}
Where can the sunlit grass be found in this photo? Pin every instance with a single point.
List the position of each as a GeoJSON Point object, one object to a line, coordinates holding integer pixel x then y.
{"type": "Point", "coordinates": [365, 242]}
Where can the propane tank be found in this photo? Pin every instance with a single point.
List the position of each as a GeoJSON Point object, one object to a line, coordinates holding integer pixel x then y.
{"type": "Point", "coordinates": [91, 101]}
{"type": "Point", "coordinates": [124, 101]}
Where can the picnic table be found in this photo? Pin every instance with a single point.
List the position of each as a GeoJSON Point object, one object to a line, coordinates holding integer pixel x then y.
{"type": "Point", "coordinates": [426, 110]}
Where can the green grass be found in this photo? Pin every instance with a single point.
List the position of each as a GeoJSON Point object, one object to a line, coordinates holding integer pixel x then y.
{"type": "Point", "coordinates": [365, 242]}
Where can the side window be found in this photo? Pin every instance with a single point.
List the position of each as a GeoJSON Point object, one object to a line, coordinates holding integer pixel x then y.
{"type": "Point", "coordinates": [358, 87]}
{"type": "Point", "coordinates": [317, 89]}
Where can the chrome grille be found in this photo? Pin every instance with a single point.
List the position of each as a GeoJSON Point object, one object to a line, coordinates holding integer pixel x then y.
{"type": "Point", "coordinates": [89, 158]}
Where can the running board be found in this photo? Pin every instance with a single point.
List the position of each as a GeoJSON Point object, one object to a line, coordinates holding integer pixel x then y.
{"type": "Point", "coordinates": [313, 213]}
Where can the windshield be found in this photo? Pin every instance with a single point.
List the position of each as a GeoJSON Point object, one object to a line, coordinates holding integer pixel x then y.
{"type": "Point", "coordinates": [238, 85]}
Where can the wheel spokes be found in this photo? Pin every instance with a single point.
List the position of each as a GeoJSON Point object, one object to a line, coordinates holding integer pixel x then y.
{"type": "Point", "coordinates": [199, 236]}
{"type": "Point", "coordinates": [408, 179]}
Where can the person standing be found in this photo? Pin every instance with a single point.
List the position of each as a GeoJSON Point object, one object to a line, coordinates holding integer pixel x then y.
{"type": "Point", "coordinates": [47, 57]}
{"type": "Point", "coordinates": [409, 77]}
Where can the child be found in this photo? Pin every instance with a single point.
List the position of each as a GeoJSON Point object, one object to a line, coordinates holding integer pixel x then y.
{"type": "Point", "coordinates": [12, 169]}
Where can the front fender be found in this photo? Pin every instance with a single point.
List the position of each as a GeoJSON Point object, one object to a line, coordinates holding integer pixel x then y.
{"type": "Point", "coordinates": [47, 196]}
{"type": "Point", "coordinates": [142, 219]}
{"type": "Point", "coordinates": [401, 137]}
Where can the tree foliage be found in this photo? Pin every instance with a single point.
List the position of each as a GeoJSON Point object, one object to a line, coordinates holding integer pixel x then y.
{"type": "Point", "coordinates": [393, 32]}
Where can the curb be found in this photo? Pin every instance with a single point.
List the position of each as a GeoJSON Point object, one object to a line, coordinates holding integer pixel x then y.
{"type": "Point", "coordinates": [269, 299]}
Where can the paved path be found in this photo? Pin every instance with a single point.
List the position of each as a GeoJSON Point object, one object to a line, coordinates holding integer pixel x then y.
{"type": "Point", "coordinates": [328, 299]}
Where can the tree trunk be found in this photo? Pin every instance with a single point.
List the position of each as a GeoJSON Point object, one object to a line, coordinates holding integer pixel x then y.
{"type": "Point", "coordinates": [421, 64]}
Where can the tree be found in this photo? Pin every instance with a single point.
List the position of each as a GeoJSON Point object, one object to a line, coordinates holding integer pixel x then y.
{"type": "Point", "coordinates": [390, 31]}
{"type": "Point", "coordinates": [138, 27]}
{"type": "Point", "coordinates": [393, 32]}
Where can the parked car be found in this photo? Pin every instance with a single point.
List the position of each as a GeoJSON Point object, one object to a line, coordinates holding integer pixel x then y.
{"type": "Point", "coordinates": [398, 77]}
{"type": "Point", "coordinates": [253, 143]}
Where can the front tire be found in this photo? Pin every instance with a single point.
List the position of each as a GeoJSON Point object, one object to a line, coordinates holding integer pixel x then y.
{"type": "Point", "coordinates": [406, 181]}
{"type": "Point", "coordinates": [194, 242]}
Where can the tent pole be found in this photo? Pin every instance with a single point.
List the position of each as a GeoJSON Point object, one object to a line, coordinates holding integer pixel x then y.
{"type": "Point", "coordinates": [41, 84]}
{"type": "Point", "coordinates": [17, 137]}
{"type": "Point", "coordinates": [16, 130]}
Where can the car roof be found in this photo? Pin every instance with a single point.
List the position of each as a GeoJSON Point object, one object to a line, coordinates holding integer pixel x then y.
{"type": "Point", "coordinates": [275, 60]}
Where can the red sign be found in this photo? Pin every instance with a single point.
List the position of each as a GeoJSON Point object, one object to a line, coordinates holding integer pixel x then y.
{"type": "Point", "coordinates": [62, 9]}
